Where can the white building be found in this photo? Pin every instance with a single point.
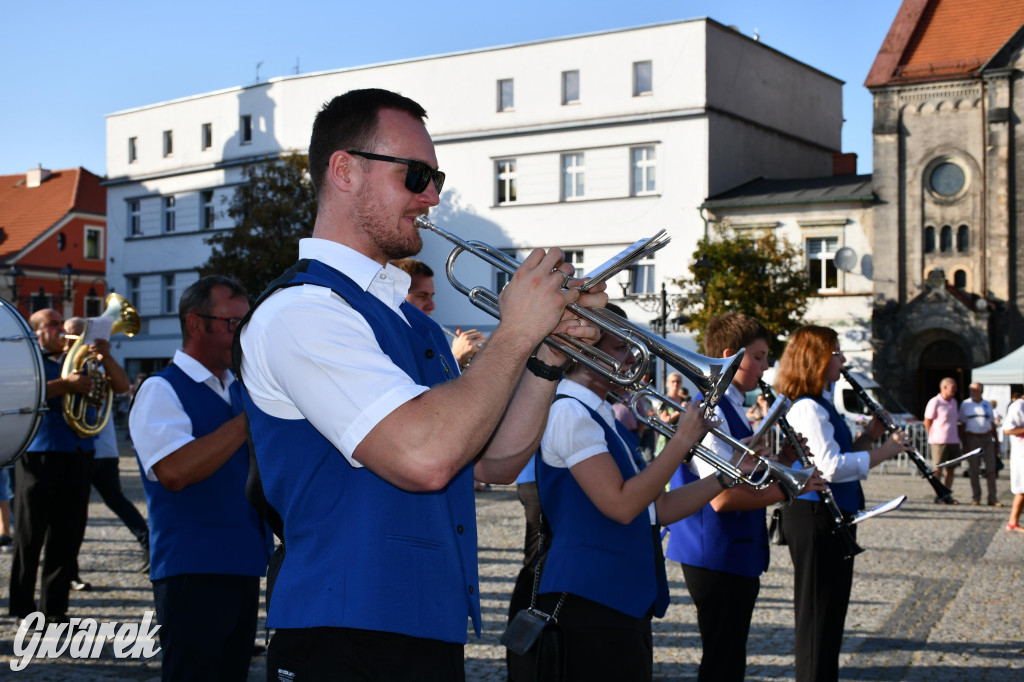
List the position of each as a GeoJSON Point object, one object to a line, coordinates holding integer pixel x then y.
{"type": "Point", "coordinates": [586, 142]}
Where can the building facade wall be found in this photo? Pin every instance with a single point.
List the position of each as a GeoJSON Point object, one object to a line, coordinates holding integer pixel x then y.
{"type": "Point", "coordinates": [472, 136]}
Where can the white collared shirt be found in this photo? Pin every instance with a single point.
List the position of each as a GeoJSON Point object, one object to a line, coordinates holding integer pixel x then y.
{"type": "Point", "coordinates": [158, 422]}
{"type": "Point", "coordinates": [716, 444]}
{"type": "Point", "coordinates": [307, 354]}
{"type": "Point", "coordinates": [977, 417]}
{"type": "Point", "coordinates": [572, 436]}
{"type": "Point", "coordinates": [812, 420]}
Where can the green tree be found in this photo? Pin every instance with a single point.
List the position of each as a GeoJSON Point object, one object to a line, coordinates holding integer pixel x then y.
{"type": "Point", "coordinates": [272, 210]}
{"type": "Point", "coordinates": [762, 277]}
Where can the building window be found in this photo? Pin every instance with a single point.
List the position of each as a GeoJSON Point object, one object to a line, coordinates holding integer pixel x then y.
{"type": "Point", "coordinates": [208, 212]}
{"type": "Point", "coordinates": [245, 128]}
{"type": "Point", "coordinates": [575, 257]}
{"type": "Point", "coordinates": [946, 239]}
{"type": "Point", "coordinates": [168, 142]}
{"type": "Point", "coordinates": [642, 83]}
{"type": "Point", "coordinates": [501, 278]}
{"type": "Point", "coordinates": [169, 214]}
{"type": "Point", "coordinates": [94, 243]}
{"type": "Point", "coordinates": [506, 176]}
{"type": "Point", "coordinates": [133, 149]}
{"type": "Point", "coordinates": [643, 170]}
{"type": "Point", "coordinates": [132, 284]}
{"type": "Point", "coordinates": [134, 217]}
{"type": "Point", "coordinates": [169, 298]}
{"type": "Point", "coordinates": [821, 264]}
{"type": "Point", "coordinates": [947, 179]}
{"type": "Point", "coordinates": [93, 304]}
{"type": "Point", "coordinates": [207, 136]}
{"type": "Point", "coordinates": [572, 176]}
{"type": "Point", "coordinates": [506, 95]}
{"type": "Point", "coordinates": [642, 279]}
{"type": "Point", "coordinates": [929, 239]}
{"type": "Point", "coordinates": [960, 279]}
{"type": "Point", "coordinates": [570, 87]}
{"type": "Point", "coordinates": [963, 239]}
{"type": "Point", "coordinates": [40, 300]}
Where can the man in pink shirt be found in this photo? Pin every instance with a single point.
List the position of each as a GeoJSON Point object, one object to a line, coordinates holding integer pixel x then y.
{"type": "Point", "coordinates": [941, 420]}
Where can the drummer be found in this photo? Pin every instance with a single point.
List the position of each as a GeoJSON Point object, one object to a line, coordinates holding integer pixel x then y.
{"type": "Point", "coordinates": [52, 482]}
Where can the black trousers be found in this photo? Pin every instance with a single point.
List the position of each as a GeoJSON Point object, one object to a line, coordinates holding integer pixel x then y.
{"type": "Point", "coordinates": [725, 605]}
{"type": "Point", "coordinates": [600, 642]}
{"type": "Point", "coordinates": [350, 655]}
{"type": "Point", "coordinates": [51, 503]}
{"type": "Point", "coordinates": [106, 478]}
{"type": "Point", "coordinates": [822, 580]}
{"type": "Point", "coordinates": [207, 625]}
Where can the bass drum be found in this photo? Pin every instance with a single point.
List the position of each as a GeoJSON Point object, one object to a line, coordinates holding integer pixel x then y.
{"type": "Point", "coordinates": [23, 382]}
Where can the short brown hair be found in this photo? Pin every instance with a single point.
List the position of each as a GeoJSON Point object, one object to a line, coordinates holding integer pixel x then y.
{"type": "Point", "coordinates": [412, 267]}
{"type": "Point", "coordinates": [804, 362]}
{"type": "Point", "coordinates": [733, 331]}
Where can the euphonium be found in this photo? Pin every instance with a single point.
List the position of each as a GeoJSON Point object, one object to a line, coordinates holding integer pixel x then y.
{"type": "Point", "coordinates": [88, 413]}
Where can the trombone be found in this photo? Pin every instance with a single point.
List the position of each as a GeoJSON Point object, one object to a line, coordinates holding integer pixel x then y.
{"type": "Point", "coordinates": [711, 375]}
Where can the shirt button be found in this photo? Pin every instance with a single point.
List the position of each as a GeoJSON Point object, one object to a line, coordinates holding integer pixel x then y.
{"type": "Point", "coordinates": [459, 529]}
{"type": "Point", "coordinates": [383, 275]}
{"type": "Point", "coordinates": [429, 354]}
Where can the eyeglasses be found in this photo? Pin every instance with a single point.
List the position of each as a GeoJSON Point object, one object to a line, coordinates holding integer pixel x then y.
{"type": "Point", "coordinates": [837, 352]}
{"type": "Point", "coordinates": [232, 322]}
{"type": "Point", "coordinates": [417, 175]}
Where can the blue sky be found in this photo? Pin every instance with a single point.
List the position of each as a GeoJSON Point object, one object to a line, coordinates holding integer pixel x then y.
{"type": "Point", "coordinates": [71, 63]}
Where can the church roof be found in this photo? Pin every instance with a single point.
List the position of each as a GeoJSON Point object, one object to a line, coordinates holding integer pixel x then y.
{"type": "Point", "coordinates": [819, 190]}
{"type": "Point", "coordinates": [26, 212]}
{"type": "Point", "coordinates": [933, 40]}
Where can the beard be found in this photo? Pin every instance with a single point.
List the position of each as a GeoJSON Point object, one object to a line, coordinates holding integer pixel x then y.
{"type": "Point", "coordinates": [373, 215]}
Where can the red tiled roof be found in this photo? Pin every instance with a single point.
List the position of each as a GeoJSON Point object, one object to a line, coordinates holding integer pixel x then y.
{"type": "Point", "coordinates": [941, 39]}
{"type": "Point", "coordinates": [26, 212]}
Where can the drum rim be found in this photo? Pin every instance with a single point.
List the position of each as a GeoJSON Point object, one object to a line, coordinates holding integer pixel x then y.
{"type": "Point", "coordinates": [37, 357]}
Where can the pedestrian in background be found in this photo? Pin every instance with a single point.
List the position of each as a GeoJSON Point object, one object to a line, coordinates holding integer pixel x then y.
{"type": "Point", "coordinates": [942, 422]}
{"type": "Point", "coordinates": [978, 419]}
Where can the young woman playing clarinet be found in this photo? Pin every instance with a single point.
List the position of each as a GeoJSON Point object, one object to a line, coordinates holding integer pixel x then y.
{"type": "Point", "coordinates": [822, 578]}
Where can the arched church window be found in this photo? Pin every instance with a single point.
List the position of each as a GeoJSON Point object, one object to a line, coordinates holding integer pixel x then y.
{"type": "Point", "coordinates": [960, 279]}
{"type": "Point", "coordinates": [963, 239]}
{"type": "Point", "coordinates": [929, 239]}
{"type": "Point", "coordinates": [946, 239]}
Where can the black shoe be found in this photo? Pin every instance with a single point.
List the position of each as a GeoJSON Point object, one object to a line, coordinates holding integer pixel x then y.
{"type": "Point", "coordinates": [80, 585]}
{"type": "Point", "coordinates": [6, 542]}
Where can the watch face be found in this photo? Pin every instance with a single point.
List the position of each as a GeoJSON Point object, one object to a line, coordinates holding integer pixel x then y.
{"type": "Point", "coordinates": [947, 179]}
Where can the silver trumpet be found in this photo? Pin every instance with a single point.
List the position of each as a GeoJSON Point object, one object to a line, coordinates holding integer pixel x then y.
{"type": "Point", "coordinates": [711, 375]}
{"type": "Point", "coordinates": [764, 472]}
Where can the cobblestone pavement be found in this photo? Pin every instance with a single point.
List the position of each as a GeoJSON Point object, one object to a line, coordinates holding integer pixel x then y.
{"type": "Point", "coordinates": [937, 596]}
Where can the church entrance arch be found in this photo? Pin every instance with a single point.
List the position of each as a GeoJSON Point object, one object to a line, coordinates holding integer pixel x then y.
{"type": "Point", "coordinates": [940, 359]}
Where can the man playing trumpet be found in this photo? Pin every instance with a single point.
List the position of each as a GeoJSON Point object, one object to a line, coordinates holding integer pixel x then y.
{"type": "Point", "coordinates": [366, 437]}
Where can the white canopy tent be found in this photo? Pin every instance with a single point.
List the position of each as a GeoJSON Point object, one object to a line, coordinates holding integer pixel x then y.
{"type": "Point", "coordinates": [1006, 370]}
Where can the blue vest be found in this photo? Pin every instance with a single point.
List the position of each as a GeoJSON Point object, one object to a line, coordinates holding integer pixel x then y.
{"type": "Point", "coordinates": [209, 527]}
{"type": "Point", "coordinates": [592, 556]}
{"type": "Point", "coordinates": [360, 552]}
{"type": "Point", "coordinates": [54, 434]}
{"type": "Point", "coordinates": [729, 541]}
{"type": "Point", "coordinates": [848, 496]}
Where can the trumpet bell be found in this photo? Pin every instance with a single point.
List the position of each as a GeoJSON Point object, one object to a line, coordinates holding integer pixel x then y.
{"type": "Point", "coordinates": [793, 481]}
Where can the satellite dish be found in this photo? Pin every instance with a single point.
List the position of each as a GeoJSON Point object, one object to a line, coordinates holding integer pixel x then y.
{"type": "Point", "coordinates": [846, 259]}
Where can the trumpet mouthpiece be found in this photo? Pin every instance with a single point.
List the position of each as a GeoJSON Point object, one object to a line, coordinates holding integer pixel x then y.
{"type": "Point", "coordinates": [421, 222]}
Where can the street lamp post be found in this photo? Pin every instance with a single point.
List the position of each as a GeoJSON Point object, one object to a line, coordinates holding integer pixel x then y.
{"type": "Point", "coordinates": [13, 274]}
{"type": "Point", "coordinates": [67, 273]}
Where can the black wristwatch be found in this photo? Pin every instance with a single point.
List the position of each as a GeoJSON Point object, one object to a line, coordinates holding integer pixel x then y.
{"type": "Point", "coordinates": [724, 480]}
{"type": "Point", "coordinates": [544, 371]}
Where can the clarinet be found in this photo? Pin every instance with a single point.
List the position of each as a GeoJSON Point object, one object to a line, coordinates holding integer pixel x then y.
{"type": "Point", "coordinates": [880, 413]}
{"type": "Point", "coordinates": [841, 528]}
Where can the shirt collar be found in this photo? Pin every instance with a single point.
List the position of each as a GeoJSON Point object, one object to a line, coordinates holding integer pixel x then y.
{"type": "Point", "coordinates": [736, 396]}
{"type": "Point", "coordinates": [585, 395]}
{"type": "Point", "coordinates": [359, 268]}
{"type": "Point", "coordinates": [196, 371]}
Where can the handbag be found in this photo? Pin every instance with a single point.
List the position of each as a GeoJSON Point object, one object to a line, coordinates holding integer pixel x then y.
{"type": "Point", "coordinates": [776, 535]}
{"type": "Point", "coordinates": [534, 638]}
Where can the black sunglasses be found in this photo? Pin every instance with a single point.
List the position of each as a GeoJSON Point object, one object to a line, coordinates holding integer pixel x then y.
{"type": "Point", "coordinates": [417, 175]}
{"type": "Point", "coordinates": [232, 322]}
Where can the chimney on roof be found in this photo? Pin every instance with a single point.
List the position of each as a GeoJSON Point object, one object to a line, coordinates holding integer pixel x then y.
{"type": "Point", "coordinates": [36, 176]}
{"type": "Point", "coordinates": [844, 164]}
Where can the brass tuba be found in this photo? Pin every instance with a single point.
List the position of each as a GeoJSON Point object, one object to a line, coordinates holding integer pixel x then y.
{"type": "Point", "coordinates": [84, 421]}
